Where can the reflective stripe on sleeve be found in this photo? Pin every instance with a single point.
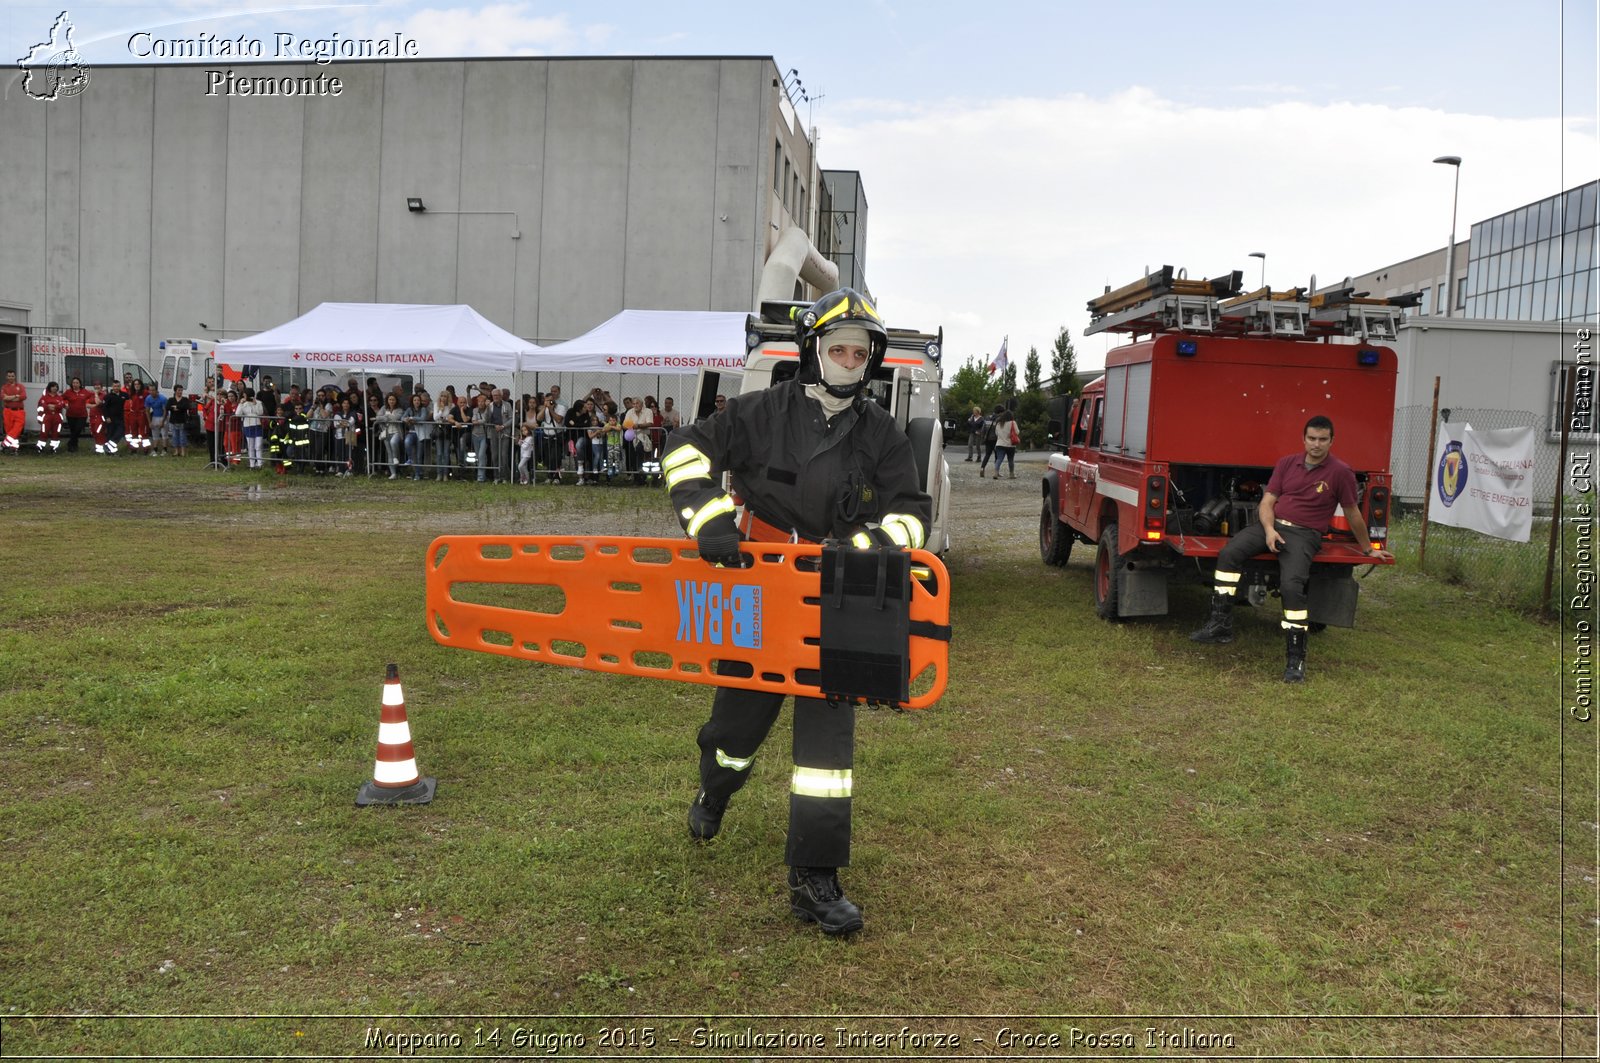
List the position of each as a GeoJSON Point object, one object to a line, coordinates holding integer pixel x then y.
{"type": "Point", "coordinates": [820, 782]}
{"type": "Point", "coordinates": [905, 529]}
{"type": "Point", "coordinates": [736, 763]}
{"type": "Point", "coordinates": [716, 507]}
{"type": "Point", "coordinates": [685, 471]}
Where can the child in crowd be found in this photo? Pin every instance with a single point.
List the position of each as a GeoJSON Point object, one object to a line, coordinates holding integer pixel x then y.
{"type": "Point", "coordinates": [525, 445]}
{"type": "Point", "coordinates": [613, 433]}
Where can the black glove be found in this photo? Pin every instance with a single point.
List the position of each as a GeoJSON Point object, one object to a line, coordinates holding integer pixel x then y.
{"type": "Point", "coordinates": [718, 542]}
{"type": "Point", "coordinates": [873, 536]}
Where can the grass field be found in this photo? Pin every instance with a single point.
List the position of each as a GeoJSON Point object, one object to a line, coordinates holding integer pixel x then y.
{"type": "Point", "coordinates": [1101, 830]}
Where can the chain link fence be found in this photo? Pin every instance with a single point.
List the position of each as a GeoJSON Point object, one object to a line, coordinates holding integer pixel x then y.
{"type": "Point", "coordinates": [1508, 572]}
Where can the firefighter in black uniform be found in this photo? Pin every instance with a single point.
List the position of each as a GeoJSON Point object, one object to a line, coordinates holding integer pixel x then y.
{"type": "Point", "coordinates": [812, 459]}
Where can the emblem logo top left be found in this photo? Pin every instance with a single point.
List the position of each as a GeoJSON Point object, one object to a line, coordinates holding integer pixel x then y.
{"type": "Point", "coordinates": [53, 69]}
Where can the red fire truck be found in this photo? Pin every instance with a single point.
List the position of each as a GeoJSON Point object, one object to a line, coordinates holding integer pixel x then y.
{"type": "Point", "coordinates": [1168, 453]}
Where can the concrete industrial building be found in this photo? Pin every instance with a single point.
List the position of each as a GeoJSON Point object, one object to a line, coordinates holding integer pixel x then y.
{"type": "Point", "coordinates": [548, 193]}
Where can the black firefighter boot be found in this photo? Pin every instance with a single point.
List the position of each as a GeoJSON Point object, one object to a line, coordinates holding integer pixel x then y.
{"type": "Point", "coordinates": [1294, 670]}
{"type": "Point", "coordinates": [816, 897]}
{"type": "Point", "coordinates": [705, 816]}
{"type": "Point", "coordinates": [1219, 626]}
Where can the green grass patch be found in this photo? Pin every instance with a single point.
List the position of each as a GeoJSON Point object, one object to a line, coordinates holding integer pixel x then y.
{"type": "Point", "coordinates": [1096, 818]}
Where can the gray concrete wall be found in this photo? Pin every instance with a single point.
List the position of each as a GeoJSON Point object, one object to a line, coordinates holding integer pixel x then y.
{"type": "Point", "coordinates": [144, 206]}
{"type": "Point", "coordinates": [744, 162]}
{"type": "Point", "coordinates": [190, 205]}
{"type": "Point", "coordinates": [1481, 365]}
{"type": "Point", "coordinates": [24, 188]}
{"type": "Point", "coordinates": [503, 168]}
{"type": "Point", "coordinates": [55, 298]}
{"type": "Point", "coordinates": [116, 208]}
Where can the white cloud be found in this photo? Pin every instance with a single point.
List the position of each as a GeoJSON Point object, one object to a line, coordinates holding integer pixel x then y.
{"type": "Point", "coordinates": [496, 29]}
{"type": "Point", "coordinates": [1004, 217]}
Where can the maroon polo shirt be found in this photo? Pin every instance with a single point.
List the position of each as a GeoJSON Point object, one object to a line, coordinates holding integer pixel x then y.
{"type": "Point", "coordinates": [1308, 497]}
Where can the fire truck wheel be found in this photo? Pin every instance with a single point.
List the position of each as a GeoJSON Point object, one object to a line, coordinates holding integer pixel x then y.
{"type": "Point", "coordinates": [1107, 575]}
{"type": "Point", "coordinates": [1055, 538]}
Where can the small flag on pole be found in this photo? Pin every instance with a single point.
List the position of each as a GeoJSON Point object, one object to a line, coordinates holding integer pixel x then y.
{"type": "Point", "coordinates": [998, 365]}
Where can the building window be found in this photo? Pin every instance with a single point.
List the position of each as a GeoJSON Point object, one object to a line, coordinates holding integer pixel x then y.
{"type": "Point", "coordinates": [1461, 292]}
{"type": "Point", "coordinates": [777, 166]}
{"type": "Point", "coordinates": [1582, 405]}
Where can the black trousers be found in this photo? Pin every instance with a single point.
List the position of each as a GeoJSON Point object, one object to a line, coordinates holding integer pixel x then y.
{"type": "Point", "coordinates": [76, 426]}
{"type": "Point", "coordinates": [1300, 545]}
{"type": "Point", "coordinates": [824, 751]}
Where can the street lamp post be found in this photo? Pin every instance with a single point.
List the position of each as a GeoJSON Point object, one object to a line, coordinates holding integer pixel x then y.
{"type": "Point", "coordinates": [1262, 255]}
{"type": "Point", "coordinates": [1454, 162]}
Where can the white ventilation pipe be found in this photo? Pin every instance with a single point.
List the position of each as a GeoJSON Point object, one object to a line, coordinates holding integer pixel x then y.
{"type": "Point", "coordinates": [793, 257]}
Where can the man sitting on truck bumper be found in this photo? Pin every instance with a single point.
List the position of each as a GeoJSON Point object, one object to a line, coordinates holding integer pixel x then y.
{"type": "Point", "coordinates": [1295, 512]}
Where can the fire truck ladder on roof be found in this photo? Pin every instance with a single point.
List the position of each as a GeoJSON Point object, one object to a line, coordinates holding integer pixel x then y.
{"type": "Point", "coordinates": [1167, 301]}
{"type": "Point", "coordinates": [1266, 313]}
{"type": "Point", "coordinates": [1163, 301]}
{"type": "Point", "coordinates": [1343, 312]}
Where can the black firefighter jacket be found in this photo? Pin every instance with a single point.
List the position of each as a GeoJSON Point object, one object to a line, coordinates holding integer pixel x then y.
{"type": "Point", "coordinates": [795, 469]}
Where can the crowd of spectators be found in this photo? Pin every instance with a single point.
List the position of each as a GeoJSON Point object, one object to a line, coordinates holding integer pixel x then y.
{"type": "Point", "coordinates": [481, 434]}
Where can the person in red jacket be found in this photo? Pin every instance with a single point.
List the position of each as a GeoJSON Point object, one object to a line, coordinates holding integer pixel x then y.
{"type": "Point", "coordinates": [207, 407]}
{"type": "Point", "coordinates": [52, 407]}
{"type": "Point", "coordinates": [232, 429]}
{"type": "Point", "coordinates": [78, 399]}
{"type": "Point", "coordinates": [136, 420]}
{"type": "Point", "coordinates": [97, 424]}
{"type": "Point", "coordinates": [13, 403]}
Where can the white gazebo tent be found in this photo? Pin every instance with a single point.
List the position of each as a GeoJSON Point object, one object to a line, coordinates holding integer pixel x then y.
{"type": "Point", "coordinates": [657, 342]}
{"type": "Point", "coordinates": [369, 339]}
{"type": "Point", "coordinates": [384, 338]}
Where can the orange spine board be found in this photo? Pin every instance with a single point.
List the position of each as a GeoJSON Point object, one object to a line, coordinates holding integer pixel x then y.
{"type": "Point", "coordinates": [651, 607]}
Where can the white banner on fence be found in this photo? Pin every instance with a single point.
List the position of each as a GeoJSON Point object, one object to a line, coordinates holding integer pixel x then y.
{"type": "Point", "coordinates": [1484, 481]}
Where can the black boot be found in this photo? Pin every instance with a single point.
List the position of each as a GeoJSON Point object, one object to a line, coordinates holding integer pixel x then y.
{"type": "Point", "coordinates": [705, 816]}
{"type": "Point", "coordinates": [816, 897]}
{"type": "Point", "coordinates": [1219, 626]}
{"type": "Point", "coordinates": [1294, 670]}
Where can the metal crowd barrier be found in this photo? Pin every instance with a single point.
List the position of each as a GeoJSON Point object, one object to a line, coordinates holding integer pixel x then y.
{"type": "Point", "coordinates": [439, 450]}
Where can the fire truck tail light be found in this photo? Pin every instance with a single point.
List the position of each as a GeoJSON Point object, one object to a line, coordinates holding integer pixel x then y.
{"type": "Point", "coordinates": [1366, 357]}
{"type": "Point", "coordinates": [1155, 508]}
{"type": "Point", "coordinates": [1378, 526]}
{"type": "Point", "coordinates": [1187, 348]}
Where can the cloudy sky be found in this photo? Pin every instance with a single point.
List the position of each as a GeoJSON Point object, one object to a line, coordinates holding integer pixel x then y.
{"type": "Point", "coordinates": [1018, 157]}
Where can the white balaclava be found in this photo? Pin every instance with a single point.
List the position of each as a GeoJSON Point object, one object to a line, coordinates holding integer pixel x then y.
{"type": "Point", "coordinates": [834, 373]}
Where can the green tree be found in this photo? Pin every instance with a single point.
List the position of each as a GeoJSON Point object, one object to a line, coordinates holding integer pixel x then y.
{"type": "Point", "coordinates": [1030, 370]}
{"type": "Point", "coordinates": [1064, 364]}
{"type": "Point", "coordinates": [970, 386]}
{"type": "Point", "coordinates": [1008, 382]}
{"type": "Point", "coordinates": [1032, 419]}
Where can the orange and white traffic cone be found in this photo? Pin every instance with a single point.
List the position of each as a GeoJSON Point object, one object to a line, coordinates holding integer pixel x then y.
{"type": "Point", "coordinates": [394, 778]}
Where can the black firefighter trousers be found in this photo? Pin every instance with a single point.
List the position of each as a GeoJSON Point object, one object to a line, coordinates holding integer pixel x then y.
{"type": "Point", "coordinates": [1300, 545]}
{"type": "Point", "coordinates": [824, 751]}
